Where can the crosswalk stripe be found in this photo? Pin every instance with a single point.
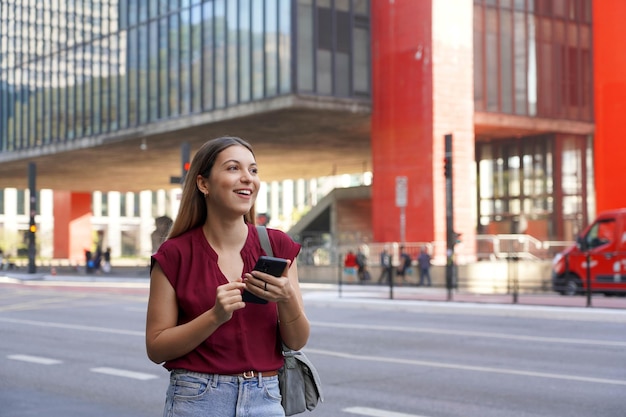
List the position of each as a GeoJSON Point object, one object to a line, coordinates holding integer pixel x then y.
{"type": "Point", "coordinates": [124, 373]}
{"type": "Point", "coordinates": [374, 412]}
{"type": "Point", "coordinates": [35, 359]}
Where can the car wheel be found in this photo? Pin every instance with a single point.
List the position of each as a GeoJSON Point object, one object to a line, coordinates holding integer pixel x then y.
{"type": "Point", "coordinates": [572, 286]}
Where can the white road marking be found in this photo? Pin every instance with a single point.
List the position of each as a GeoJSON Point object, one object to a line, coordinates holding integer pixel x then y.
{"type": "Point", "coordinates": [467, 367]}
{"type": "Point", "coordinates": [74, 327]}
{"type": "Point", "coordinates": [507, 336]}
{"type": "Point", "coordinates": [124, 373]}
{"type": "Point", "coordinates": [374, 412]}
{"type": "Point", "coordinates": [35, 359]}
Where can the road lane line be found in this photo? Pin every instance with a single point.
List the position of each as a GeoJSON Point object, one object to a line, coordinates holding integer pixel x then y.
{"type": "Point", "coordinates": [468, 367]}
{"type": "Point", "coordinates": [35, 359]}
{"type": "Point", "coordinates": [124, 373]}
{"type": "Point", "coordinates": [374, 412]}
{"type": "Point", "coordinates": [73, 327]}
{"type": "Point", "coordinates": [471, 333]}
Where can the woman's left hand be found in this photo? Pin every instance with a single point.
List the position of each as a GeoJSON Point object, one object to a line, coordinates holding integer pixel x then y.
{"type": "Point", "coordinates": [269, 287]}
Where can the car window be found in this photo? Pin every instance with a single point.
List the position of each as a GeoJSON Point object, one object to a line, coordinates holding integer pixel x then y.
{"type": "Point", "coordinates": [601, 233]}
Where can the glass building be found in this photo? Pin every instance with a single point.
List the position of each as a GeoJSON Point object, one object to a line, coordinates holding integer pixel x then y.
{"type": "Point", "coordinates": [72, 69]}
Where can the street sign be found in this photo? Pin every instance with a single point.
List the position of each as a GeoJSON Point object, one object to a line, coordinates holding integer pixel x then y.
{"type": "Point", "coordinates": [401, 191]}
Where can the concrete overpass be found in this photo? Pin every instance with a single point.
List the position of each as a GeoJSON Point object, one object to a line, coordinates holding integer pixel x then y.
{"type": "Point", "coordinates": [293, 137]}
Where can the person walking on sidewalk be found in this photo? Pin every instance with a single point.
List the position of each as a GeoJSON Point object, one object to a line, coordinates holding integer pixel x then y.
{"type": "Point", "coordinates": [423, 263]}
{"type": "Point", "coordinates": [223, 354]}
{"type": "Point", "coordinates": [386, 267]}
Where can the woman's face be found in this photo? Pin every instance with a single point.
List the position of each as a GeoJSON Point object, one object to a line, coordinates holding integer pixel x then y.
{"type": "Point", "coordinates": [233, 183]}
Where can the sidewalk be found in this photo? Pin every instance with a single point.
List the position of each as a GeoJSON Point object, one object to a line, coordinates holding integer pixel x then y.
{"type": "Point", "coordinates": [138, 277]}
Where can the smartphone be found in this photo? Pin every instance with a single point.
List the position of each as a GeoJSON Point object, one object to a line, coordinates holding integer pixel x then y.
{"type": "Point", "coordinates": [269, 265]}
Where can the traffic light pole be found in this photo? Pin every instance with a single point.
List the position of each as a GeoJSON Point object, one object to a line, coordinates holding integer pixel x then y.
{"type": "Point", "coordinates": [185, 155]}
{"type": "Point", "coordinates": [450, 234]}
{"type": "Point", "coordinates": [32, 228]}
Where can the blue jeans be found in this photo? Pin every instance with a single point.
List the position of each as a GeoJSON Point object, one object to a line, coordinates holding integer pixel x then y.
{"type": "Point", "coordinates": [424, 277]}
{"type": "Point", "coordinates": [193, 394]}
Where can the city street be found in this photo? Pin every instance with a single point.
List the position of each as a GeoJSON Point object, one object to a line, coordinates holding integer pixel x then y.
{"type": "Point", "coordinates": [78, 350]}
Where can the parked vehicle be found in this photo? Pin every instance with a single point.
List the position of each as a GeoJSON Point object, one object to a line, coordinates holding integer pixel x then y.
{"type": "Point", "coordinates": [597, 259]}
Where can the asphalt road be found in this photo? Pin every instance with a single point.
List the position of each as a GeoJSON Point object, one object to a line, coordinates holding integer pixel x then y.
{"type": "Point", "coordinates": [68, 350]}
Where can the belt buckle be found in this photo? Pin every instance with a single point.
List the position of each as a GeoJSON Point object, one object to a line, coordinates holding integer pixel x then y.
{"type": "Point", "coordinates": [248, 374]}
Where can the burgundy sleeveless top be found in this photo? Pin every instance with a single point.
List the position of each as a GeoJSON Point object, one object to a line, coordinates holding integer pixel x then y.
{"type": "Point", "coordinates": [250, 340]}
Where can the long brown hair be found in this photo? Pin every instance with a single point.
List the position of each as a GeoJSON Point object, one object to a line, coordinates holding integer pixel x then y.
{"type": "Point", "coordinates": [192, 212]}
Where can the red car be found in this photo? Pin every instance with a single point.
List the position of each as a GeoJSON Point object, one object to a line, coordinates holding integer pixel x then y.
{"type": "Point", "coordinates": [603, 243]}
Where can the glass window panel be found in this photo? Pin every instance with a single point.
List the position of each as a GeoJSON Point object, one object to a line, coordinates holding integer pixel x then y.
{"type": "Point", "coordinates": [88, 90]}
{"type": "Point", "coordinates": [506, 62]}
{"type": "Point", "coordinates": [174, 57]}
{"type": "Point", "coordinates": [520, 67]}
{"type": "Point", "coordinates": [163, 68]}
{"type": "Point", "coordinates": [153, 70]}
{"type": "Point", "coordinates": [220, 53]}
{"type": "Point", "coordinates": [271, 48]}
{"type": "Point", "coordinates": [144, 48]}
{"type": "Point", "coordinates": [361, 67]}
{"type": "Point", "coordinates": [196, 59]}
{"type": "Point", "coordinates": [258, 57]}
{"type": "Point", "coordinates": [185, 61]}
{"type": "Point", "coordinates": [479, 97]}
{"type": "Point", "coordinates": [514, 175]}
{"type": "Point", "coordinates": [153, 8]}
{"type": "Point", "coordinates": [532, 68]}
{"type": "Point", "coordinates": [244, 51]}
{"type": "Point", "coordinates": [324, 72]}
{"type": "Point", "coordinates": [305, 47]}
{"type": "Point", "coordinates": [485, 177]}
{"type": "Point", "coordinates": [106, 86]}
{"type": "Point", "coordinates": [118, 54]}
{"type": "Point", "coordinates": [492, 60]}
{"type": "Point", "coordinates": [284, 45]}
{"type": "Point", "coordinates": [232, 40]}
{"type": "Point", "coordinates": [133, 79]}
{"type": "Point", "coordinates": [361, 7]}
{"type": "Point", "coordinates": [207, 55]}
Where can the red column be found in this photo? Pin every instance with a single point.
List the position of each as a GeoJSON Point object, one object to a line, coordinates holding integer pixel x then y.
{"type": "Point", "coordinates": [609, 66]}
{"type": "Point", "coordinates": [72, 225]}
{"type": "Point", "coordinates": [402, 125]}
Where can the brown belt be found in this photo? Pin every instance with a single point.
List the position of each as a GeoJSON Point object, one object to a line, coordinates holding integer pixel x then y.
{"type": "Point", "coordinates": [254, 374]}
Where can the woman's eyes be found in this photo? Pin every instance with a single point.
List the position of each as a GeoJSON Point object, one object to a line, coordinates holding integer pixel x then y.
{"type": "Point", "coordinates": [253, 170]}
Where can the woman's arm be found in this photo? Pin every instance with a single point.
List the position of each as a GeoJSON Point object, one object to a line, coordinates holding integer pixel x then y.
{"type": "Point", "coordinates": [294, 325]}
{"type": "Point", "coordinates": [165, 339]}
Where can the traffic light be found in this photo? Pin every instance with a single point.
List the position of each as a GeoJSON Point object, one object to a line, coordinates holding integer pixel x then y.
{"type": "Point", "coordinates": [185, 159]}
{"type": "Point", "coordinates": [447, 167]}
{"type": "Point", "coordinates": [454, 238]}
{"type": "Point", "coordinates": [32, 228]}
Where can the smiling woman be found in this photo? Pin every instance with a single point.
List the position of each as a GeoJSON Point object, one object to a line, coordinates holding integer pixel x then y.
{"type": "Point", "coordinates": [197, 324]}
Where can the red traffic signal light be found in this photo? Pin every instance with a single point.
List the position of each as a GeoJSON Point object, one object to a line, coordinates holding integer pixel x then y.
{"type": "Point", "coordinates": [447, 167]}
{"type": "Point", "coordinates": [186, 166]}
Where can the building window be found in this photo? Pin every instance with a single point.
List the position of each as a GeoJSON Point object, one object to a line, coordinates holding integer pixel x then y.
{"type": "Point", "coordinates": [333, 47]}
{"type": "Point", "coordinates": [533, 62]}
{"type": "Point", "coordinates": [515, 190]}
{"type": "Point", "coordinates": [21, 202]}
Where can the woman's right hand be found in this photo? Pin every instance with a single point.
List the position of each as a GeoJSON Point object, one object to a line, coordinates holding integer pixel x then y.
{"type": "Point", "coordinates": [228, 299]}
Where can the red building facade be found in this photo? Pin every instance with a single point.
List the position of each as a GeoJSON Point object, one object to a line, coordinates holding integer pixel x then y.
{"type": "Point", "coordinates": [532, 92]}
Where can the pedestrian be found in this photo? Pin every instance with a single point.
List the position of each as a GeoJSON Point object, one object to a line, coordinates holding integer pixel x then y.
{"type": "Point", "coordinates": [423, 263]}
{"type": "Point", "coordinates": [223, 354]}
{"type": "Point", "coordinates": [386, 267]}
{"type": "Point", "coordinates": [350, 265]}
{"type": "Point", "coordinates": [106, 261]}
{"type": "Point", "coordinates": [361, 264]}
{"type": "Point", "coordinates": [404, 268]}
